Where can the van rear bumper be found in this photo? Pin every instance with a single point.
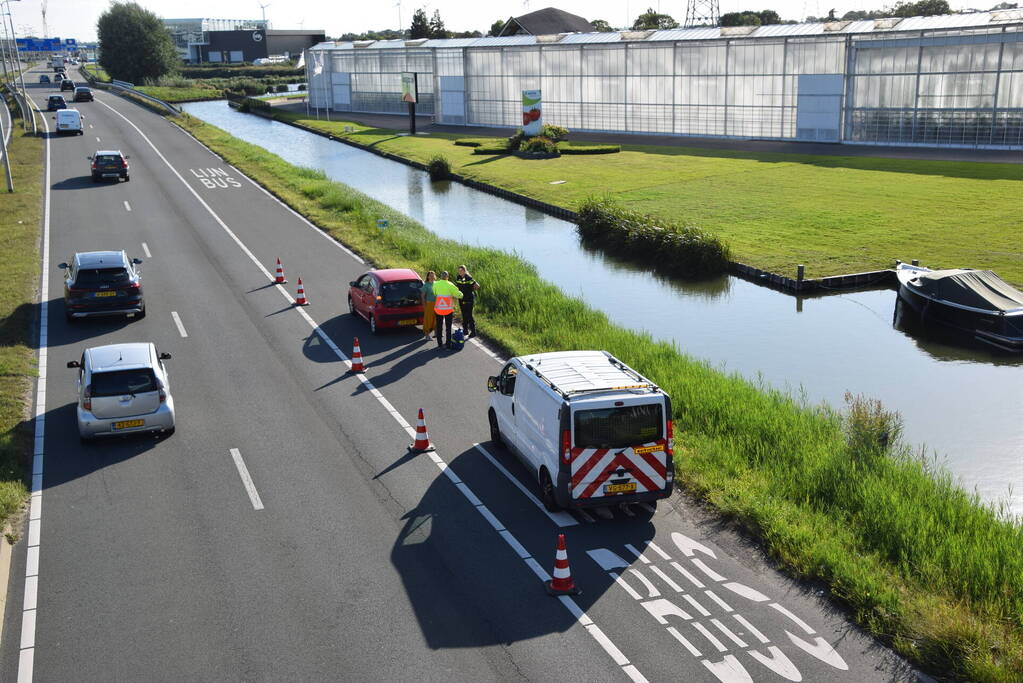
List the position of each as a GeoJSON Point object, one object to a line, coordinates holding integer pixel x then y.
{"type": "Point", "coordinates": [569, 503]}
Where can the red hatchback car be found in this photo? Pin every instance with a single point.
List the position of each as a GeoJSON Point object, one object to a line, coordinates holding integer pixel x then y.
{"type": "Point", "coordinates": [387, 298]}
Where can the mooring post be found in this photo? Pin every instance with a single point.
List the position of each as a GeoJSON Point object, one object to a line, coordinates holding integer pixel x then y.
{"type": "Point", "coordinates": [916, 262]}
{"type": "Point", "coordinates": [799, 276]}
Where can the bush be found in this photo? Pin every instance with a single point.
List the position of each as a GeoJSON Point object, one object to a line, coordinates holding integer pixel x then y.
{"type": "Point", "coordinates": [539, 147]}
{"type": "Point", "coordinates": [283, 87]}
{"type": "Point", "coordinates": [515, 141]}
{"type": "Point", "coordinates": [439, 168]}
{"type": "Point", "coordinates": [589, 149]}
{"type": "Point", "coordinates": [678, 250]}
{"type": "Point", "coordinates": [245, 86]}
{"type": "Point", "coordinates": [301, 86]}
{"type": "Point", "coordinates": [555, 133]}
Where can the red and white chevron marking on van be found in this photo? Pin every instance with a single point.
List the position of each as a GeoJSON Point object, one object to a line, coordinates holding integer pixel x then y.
{"type": "Point", "coordinates": [592, 467]}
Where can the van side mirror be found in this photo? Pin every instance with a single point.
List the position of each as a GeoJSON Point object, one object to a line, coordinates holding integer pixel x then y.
{"type": "Point", "coordinates": [137, 261]}
{"type": "Point", "coordinates": [352, 284]}
{"type": "Point", "coordinates": [89, 158]}
{"type": "Point", "coordinates": [62, 266]}
{"type": "Point", "coordinates": [491, 384]}
{"type": "Point", "coordinates": [74, 364]}
{"type": "Point", "coordinates": [127, 156]}
{"type": "Point", "coordinates": [165, 356]}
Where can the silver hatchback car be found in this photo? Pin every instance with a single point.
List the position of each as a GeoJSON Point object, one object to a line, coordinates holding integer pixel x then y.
{"type": "Point", "coordinates": [122, 388]}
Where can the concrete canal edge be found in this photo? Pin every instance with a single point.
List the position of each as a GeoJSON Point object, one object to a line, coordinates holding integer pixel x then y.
{"type": "Point", "coordinates": [788, 285]}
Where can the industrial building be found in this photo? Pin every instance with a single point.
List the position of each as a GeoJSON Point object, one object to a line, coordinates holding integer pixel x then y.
{"type": "Point", "coordinates": [236, 40]}
{"type": "Point", "coordinates": [954, 80]}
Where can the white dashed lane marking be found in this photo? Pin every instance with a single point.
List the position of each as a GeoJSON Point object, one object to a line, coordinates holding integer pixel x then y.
{"type": "Point", "coordinates": [243, 472]}
{"type": "Point", "coordinates": [145, 250]}
{"type": "Point", "coordinates": [127, 206]}
{"type": "Point", "coordinates": [177, 321]}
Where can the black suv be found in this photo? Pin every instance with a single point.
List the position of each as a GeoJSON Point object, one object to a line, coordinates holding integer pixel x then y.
{"type": "Point", "coordinates": [83, 94]}
{"type": "Point", "coordinates": [67, 84]}
{"type": "Point", "coordinates": [102, 283]}
{"type": "Point", "coordinates": [55, 102]}
{"type": "Point", "coordinates": [109, 164]}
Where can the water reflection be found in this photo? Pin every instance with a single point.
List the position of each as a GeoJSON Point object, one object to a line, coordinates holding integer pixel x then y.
{"type": "Point", "coordinates": [961, 403]}
{"type": "Point", "coordinates": [944, 344]}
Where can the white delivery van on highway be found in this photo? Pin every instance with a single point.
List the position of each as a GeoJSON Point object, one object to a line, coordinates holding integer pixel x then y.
{"type": "Point", "coordinates": [69, 122]}
{"type": "Point", "coordinates": [593, 430]}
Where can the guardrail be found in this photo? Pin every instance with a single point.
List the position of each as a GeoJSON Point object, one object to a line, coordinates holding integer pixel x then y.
{"type": "Point", "coordinates": [124, 86]}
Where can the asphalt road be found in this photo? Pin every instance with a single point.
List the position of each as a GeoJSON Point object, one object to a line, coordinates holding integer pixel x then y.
{"type": "Point", "coordinates": [347, 558]}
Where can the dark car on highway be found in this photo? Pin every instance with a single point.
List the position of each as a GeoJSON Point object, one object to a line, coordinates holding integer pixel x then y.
{"type": "Point", "coordinates": [387, 298]}
{"type": "Point", "coordinates": [55, 102]}
{"type": "Point", "coordinates": [83, 94]}
{"type": "Point", "coordinates": [67, 84]}
{"type": "Point", "coordinates": [44, 78]}
{"type": "Point", "coordinates": [109, 164]}
{"type": "Point", "coordinates": [102, 283]}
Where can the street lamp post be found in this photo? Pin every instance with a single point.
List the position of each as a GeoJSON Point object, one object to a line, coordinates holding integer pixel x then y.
{"type": "Point", "coordinates": [27, 114]}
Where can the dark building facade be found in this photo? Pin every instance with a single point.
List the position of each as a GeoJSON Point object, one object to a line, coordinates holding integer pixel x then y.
{"type": "Point", "coordinates": [248, 46]}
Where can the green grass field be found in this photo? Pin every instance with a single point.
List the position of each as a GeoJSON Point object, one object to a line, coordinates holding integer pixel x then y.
{"type": "Point", "coordinates": [834, 214]}
{"type": "Point", "coordinates": [19, 241]}
{"type": "Point", "coordinates": [915, 560]}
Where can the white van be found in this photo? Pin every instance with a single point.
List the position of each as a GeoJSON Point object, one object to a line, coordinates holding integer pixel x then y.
{"type": "Point", "coordinates": [594, 430]}
{"type": "Point", "coordinates": [69, 122]}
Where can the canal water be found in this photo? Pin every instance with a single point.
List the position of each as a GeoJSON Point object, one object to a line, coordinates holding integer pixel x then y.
{"type": "Point", "coordinates": [962, 405]}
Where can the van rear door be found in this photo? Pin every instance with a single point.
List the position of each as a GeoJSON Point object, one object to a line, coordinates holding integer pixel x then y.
{"type": "Point", "coordinates": [619, 448]}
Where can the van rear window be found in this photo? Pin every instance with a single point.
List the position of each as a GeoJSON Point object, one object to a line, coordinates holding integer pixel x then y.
{"type": "Point", "coordinates": [619, 427]}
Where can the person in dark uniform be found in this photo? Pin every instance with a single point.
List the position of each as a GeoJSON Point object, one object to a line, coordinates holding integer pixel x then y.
{"type": "Point", "coordinates": [468, 287]}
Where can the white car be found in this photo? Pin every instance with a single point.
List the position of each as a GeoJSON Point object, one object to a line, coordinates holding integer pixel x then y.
{"type": "Point", "coordinates": [593, 430]}
{"type": "Point", "coordinates": [122, 388]}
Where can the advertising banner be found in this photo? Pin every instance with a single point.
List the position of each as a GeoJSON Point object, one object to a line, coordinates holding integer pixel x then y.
{"type": "Point", "coordinates": [409, 89]}
{"type": "Point", "coordinates": [532, 120]}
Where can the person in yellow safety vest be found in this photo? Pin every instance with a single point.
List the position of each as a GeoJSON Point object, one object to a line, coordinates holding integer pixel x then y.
{"type": "Point", "coordinates": [445, 293]}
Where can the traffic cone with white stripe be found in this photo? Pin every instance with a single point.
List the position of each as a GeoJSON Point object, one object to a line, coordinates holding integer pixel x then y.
{"type": "Point", "coordinates": [300, 299]}
{"type": "Point", "coordinates": [357, 365]}
{"type": "Point", "coordinates": [562, 583]}
{"type": "Point", "coordinates": [279, 278]}
{"type": "Point", "coordinates": [422, 443]}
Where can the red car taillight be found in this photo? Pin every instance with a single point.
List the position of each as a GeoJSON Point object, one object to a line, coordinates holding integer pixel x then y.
{"type": "Point", "coordinates": [94, 165]}
{"type": "Point", "coordinates": [162, 390]}
{"type": "Point", "coordinates": [566, 447]}
{"type": "Point", "coordinates": [670, 446]}
{"type": "Point", "coordinates": [130, 285]}
{"type": "Point", "coordinates": [87, 397]}
{"type": "Point", "coordinates": [124, 164]}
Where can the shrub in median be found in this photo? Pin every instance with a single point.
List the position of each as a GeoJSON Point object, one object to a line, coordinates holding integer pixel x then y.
{"type": "Point", "coordinates": [679, 250]}
{"type": "Point", "coordinates": [539, 147]}
{"type": "Point", "coordinates": [439, 168]}
{"type": "Point", "coordinates": [552, 132]}
{"type": "Point", "coordinates": [589, 149]}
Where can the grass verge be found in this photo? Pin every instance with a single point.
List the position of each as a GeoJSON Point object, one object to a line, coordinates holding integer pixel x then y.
{"type": "Point", "coordinates": [20, 221]}
{"type": "Point", "coordinates": [172, 94]}
{"type": "Point", "coordinates": [918, 562]}
{"type": "Point", "coordinates": [834, 214]}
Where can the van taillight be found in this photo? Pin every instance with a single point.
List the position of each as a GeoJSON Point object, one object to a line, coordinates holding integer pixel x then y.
{"type": "Point", "coordinates": [670, 446]}
{"type": "Point", "coordinates": [87, 398]}
{"type": "Point", "coordinates": [566, 447]}
{"type": "Point", "coordinates": [163, 392]}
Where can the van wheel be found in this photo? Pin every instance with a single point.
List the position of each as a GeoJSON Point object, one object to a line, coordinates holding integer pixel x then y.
{"type": "Point", "coordinates": [495, 429]}
{"type": "Point", "coordinates": [547, 491]}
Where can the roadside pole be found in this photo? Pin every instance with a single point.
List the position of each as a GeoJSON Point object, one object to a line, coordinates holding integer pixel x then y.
{"type": "Point", "coordinates": [21, 72]}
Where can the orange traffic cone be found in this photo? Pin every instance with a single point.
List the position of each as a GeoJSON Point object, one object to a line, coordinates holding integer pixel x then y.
{"type": "Point", "coordinates": [300, 299]}
{"type": "Point", "coordinates": [422, 443]}
{"type": "Point", "coordinates": [357, 365]}
{"type": "Point", "coordinates": [279, 279]}
{"type": "Point", "coordinates": [561, 584]}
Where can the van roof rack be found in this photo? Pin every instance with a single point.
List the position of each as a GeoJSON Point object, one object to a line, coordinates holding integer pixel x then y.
{"type": "Point", "coordinates": [573, 374]}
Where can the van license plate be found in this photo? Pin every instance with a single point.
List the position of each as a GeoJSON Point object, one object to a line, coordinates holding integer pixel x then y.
{"type": "Point", "coordinates": [128, 424]}
{"type": "Point", "coordinates": [106, 293]}
{"type": "Point", "coordinates": [620, 488]}
{"type": "Point", "coordinates": [412, 321]}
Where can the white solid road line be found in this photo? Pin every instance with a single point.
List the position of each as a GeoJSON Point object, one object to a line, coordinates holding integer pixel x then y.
{"type": "Point", "coordinates": [145, 250]}
{"type": "Point", "coordinates": [584, 620]}
{"type": "Point", "coordinates": [127, 206]}
{"type": "Point", "coordinates": [26, 657]}
{"type": "Point", "coordinates": [562, 519]}
{"type": "Point", "coordinates": [177, 321]}
{"type": "Point", "coordinates": [243, 472]}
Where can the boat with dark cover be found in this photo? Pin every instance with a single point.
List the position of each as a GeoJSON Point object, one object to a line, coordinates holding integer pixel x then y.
{"type": "Point", "coordinates": [977, 302]}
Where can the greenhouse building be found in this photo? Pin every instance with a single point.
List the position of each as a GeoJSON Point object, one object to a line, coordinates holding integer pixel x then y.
{"type": "Point", "coordinates": [953, 80]}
